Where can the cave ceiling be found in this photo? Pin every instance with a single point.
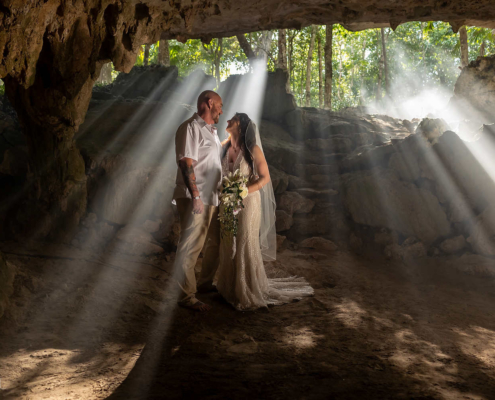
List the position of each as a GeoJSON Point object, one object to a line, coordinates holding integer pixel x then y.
{"type": "Point", "coordinates": [94, 31]}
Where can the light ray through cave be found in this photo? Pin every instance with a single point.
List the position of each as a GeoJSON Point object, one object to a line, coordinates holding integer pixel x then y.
{"type": "Point", "coordinates": [87, 319]}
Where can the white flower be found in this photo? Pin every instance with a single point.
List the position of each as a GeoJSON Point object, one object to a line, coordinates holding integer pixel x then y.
{"type": "Point", "coordinates": [244, 193]}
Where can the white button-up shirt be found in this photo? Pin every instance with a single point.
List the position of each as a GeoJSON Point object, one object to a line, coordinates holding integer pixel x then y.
{"type": "Point", "coordinates": [197, 140]}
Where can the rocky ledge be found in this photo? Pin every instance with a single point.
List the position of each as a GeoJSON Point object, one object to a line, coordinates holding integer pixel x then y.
{"type": "Point", "coordinates": [349, 180]}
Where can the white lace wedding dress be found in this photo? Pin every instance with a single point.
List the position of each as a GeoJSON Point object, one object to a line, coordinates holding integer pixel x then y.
{"type": "Point", "coordinates": [242, 280]}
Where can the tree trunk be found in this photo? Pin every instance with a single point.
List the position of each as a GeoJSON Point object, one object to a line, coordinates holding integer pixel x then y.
{"type": "Point", "coordinates": [320, 73]}
{"type": "Point", "coordinates": [290, 68]}
{"type": "Point", "coordinates": [328, 67]}
{"type": "Point", "coordinates": [282, 56]}
{"type": "Point", "coordinates": [265, 46]}
{"type": "Point", "coordinates": [380, 73]}
{"type": "Point", "coordinates": [308, 66]}
{"type": "Point", "coordinates": [339, 91]}
{"type": "Point", "coordinates": [247, 49]}
{"type": "Point", "coordinates": [482, 49]}
{"type": "Point", "coordinates": [282, 50]}
{"type": "Point", "coordinates": [361, 90]}
{"type": "Point", "coordinates": [464, 46]}
{"type": "Point", "coordinates": [146, 57]}
{"type": "Point", "coordinates": [218, 58]}
{"type": "Point", "coordinates": [163, 53]}
{"type": "Point", "coordinates": [302, 86]}
{"type": "Point", "coordinates": [385, 64]}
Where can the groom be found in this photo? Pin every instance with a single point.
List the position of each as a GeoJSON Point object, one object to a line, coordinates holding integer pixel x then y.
{"type": "Point", "coordinates": [198, 152]}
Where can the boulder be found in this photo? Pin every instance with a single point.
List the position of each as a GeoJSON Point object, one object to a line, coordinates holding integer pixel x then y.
{"type": "Point", "coordinates": [308, 171]}
{"type": "Point", "coordinates": [280, 242]}
{"type": "Point", "coordinates": [314, 194]}
{"type": "Point", "coordinates": [105, 231]}
{"type": "Point", "coordinates": [486, 135]}
{"type": "Point", "coordinates": [367, 158]}
{"type": "Point", "coordinates": [474, 264]}
{"type": "Point", "coordinates": [378, 198]}
{"type": "Point", "coordinates": [474, 91]}
{"type": "Point", "coordinates": [482, 237]}
{"type": "Point", "coordinates": [405, 165]}
{"type": "Point", "coordinates": [459, 210]}
{"type": "Point", "coordinates": [145, 82]}
{"type": "Point", "coordinates": [453, 245]}
{"type": "Point", "coordinates": [281, 151]}
{"type": "Point", "coordinates": [296, 182]}
{"type": "Point", "coordinates": [295, 123]}
{"type": "Point", "coordinates": [463, 169]}
{"type": "Point", "coordinates": [318, 243]}
{"type": "Point", "coordinates": [294, 203]}
{"type": "Point", "coordinates": [405, 252]}
{"type": "Point", "coordinates": [333, 224]}
{"type": "Point", "coordinates": [385, 237]}
{"type": "Point", "coordinates": [277, 102]}
{"type": "Point", "coordinates": [432, 129]}
{"type": "Point", "coordinates": [335, 144]}
{"type": "Point", "coordinates": [279, 179]}
{"type": "Point", "coordinates": [468, 130]}
{"type": "Point", "coordinates": [283, 221]}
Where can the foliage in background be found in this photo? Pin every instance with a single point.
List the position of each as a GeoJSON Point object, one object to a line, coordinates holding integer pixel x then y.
{"type": "Point", "coordinates": [420, 55]}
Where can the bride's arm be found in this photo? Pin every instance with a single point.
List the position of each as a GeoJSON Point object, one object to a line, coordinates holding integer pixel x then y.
{"type": "Point", "coordinates": [262, 168]}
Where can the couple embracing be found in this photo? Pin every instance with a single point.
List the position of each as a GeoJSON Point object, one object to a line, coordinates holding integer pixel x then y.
{"type": "Point", "coordinates": [234, 268]}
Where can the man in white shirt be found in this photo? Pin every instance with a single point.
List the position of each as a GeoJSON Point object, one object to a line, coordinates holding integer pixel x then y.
{"type": "Point", "coordinates": [198, 153]}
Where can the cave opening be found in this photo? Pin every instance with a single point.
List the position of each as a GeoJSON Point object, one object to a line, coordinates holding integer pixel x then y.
{"type": "Point", "coordinates": [377, 129]}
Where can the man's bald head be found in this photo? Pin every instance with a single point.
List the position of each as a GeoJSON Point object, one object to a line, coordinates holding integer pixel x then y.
{"type": "Point", "coordinates": [205, 96]}
{"type": "Point", "coordinates": [210, 106]}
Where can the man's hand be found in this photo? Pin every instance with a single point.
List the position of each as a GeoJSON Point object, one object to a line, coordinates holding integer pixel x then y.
{"type": "Point", "coordinates": [197, 206]}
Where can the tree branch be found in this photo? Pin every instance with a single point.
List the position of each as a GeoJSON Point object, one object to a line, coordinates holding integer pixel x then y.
{"type": "Point", "coordinates": [246, 47]}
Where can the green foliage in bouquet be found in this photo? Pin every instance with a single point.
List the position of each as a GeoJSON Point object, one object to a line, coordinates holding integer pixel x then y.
{"type": "Point", "coordinates": [234, 191]}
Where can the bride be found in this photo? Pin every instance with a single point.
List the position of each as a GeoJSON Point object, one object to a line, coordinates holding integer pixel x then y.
{"type": "Point", "coordinates": [241, 279]}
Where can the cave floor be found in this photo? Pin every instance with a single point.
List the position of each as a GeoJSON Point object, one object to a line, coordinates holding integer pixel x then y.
{"type": "Point", "coordinates": [83, 326]}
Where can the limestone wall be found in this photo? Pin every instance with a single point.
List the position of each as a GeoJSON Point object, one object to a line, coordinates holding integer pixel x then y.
{"type": "Point", "coordinates": [363, 181]}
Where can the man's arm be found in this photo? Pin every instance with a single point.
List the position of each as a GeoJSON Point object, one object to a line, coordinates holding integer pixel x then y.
{"type": "Point", "coordinates": [187, 169]}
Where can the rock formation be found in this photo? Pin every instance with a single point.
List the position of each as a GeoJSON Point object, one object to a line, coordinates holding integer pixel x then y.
{"type": "Point", "coordinates": [352, 179]}
{"type": "Point", "coordinates": [52, 53]}
{"type": "Point", "coordinates": [473, 92]}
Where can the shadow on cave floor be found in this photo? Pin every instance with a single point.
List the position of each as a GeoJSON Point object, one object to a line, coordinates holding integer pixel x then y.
{"type": "Point", "coordinates": [373, 330]}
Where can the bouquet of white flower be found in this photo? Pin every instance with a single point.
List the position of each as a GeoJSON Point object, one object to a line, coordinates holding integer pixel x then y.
{"type": "Point", "coordinates": [234, 191]}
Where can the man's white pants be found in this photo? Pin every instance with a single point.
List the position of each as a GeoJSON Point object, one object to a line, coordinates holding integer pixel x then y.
{"type": "Point", "coordinates": [195, 230]}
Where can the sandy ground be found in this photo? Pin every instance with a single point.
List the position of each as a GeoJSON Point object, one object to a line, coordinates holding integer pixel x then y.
{"type": "Point", "coordinates": [87, 327]}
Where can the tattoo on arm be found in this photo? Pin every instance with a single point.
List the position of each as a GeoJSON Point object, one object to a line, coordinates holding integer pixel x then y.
{"type": "Point", "coordinates": [189, 178]}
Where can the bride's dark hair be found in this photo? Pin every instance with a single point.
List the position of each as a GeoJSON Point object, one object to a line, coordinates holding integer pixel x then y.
{"type": "Point", "coordinates": [244, 121]}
